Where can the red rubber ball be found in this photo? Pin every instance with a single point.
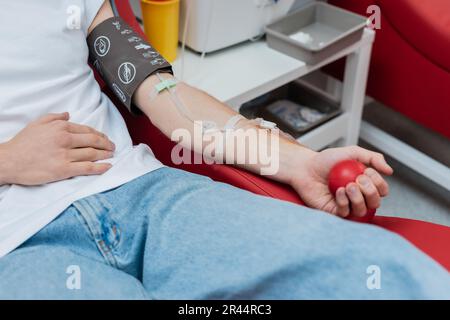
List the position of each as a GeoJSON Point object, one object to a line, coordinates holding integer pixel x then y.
{"type": "Point", "coordinates": [341, 175]}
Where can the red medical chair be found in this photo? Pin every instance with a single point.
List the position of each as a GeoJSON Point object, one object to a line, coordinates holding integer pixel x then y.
{"type": "Point", "coordinates": [410, 67]}
{"type": "Point", "coordinates": [430, 238]}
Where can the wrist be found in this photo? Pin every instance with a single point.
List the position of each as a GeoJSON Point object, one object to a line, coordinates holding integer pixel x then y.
{"type": "Point", "coordinates": [293, 158]}
{"type": "Point", "coordinates": [4, 167]}
{"type": "Point", "coordinates": [300, 164]}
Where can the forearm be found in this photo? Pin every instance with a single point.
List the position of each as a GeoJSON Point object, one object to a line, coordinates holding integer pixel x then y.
{"type": "Point", "coordinates": [279, 160]}
{"type": "Point", "coordinates": [164, 114]}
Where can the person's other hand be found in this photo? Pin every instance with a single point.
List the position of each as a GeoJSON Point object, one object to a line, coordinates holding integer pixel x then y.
{"type": "Point", "coordinates": [53, 149]}
{"type": "Point", "coordinates": [311, 182]}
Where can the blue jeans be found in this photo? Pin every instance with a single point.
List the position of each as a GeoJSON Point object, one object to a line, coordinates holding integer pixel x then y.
{"type": "Point", "coordinates": [175, 235]}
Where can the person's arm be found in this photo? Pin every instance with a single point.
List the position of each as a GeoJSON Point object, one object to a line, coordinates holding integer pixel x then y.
{"type": "Point", "coordinates": [298, 166]}
{"type": "Point", "coordinates": [165, 115]}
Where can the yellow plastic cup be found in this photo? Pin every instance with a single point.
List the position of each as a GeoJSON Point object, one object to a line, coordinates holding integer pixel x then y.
{"type": "Point", "coordinates": [161, 23]}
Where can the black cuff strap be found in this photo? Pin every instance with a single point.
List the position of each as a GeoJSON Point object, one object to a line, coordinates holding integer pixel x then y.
{"type": "Point", "coordinates": [123, 59]}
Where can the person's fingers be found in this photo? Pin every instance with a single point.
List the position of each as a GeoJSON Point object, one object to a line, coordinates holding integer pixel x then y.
{"type": "Point", "coordinates": [78, 129]}
{"type": "Point", "coordinates": [90, 140]}
{"type": "Point", "coordinates": [53, 117]}
{"type": "Point", "coordinates": [356, 198]}
{"type": "Point", "coordinates": [87, 168]}
{"type": "Point", "coordinates": [369, 192]}
{"type": "Point", "coordinates": [373, 159]}
{"type": "Point", "coordinates": [88, 154]}
{"type": "Point", "coordinates": [381, 184]}
{"type": "Point", "coordinates": [343, 208]}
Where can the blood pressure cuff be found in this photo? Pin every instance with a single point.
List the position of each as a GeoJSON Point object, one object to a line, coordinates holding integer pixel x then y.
{"type": "Point", "coordinates": [123, 59]}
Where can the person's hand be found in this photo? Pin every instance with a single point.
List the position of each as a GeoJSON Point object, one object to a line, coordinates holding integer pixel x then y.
{"type": "Point", "coordinates": [52, 149]}
{"type": "Point", "coordinates": [311, 182]}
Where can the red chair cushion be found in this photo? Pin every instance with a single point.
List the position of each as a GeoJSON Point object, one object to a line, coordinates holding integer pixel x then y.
{"type": "Point", "coordinates": [431, 238]}
{"type": "Point", "coordinates": [424, 24]}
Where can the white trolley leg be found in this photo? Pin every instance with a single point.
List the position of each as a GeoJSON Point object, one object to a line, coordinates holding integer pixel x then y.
{"type": "Point", "coordinates": [407, 155]}
{"type": "Point", "coordinates": [354, 91]}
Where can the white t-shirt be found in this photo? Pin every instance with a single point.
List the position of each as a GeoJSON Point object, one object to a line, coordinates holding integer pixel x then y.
{"type": "Point", "coordinates": [44, 69]}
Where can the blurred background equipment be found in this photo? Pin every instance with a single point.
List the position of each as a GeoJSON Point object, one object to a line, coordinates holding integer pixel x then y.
{"type": "Point", "coordinates": [210, 25]}
{"type": "Point", "coordinates": [216, 24]}
{"type": "Point", "coordinates": [161, 25]}
{"type": "Point", "coordinates": [315, 32]}
{"type": "Point", "coordinates": [295, 109]}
